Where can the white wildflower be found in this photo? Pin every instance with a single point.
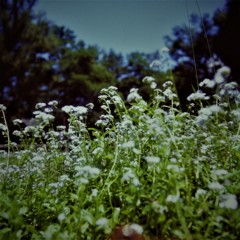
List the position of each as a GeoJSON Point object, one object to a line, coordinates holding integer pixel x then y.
{"type": "Point", "coordinates": [200, 192]}
{"type": "Point", "coordinates": [198, 95]}
{"type": "Point", "coordinates": [3, 127]}
{"type": "Point", "coordinates": [40, 105]}
{"type": "Point", "coordinates": [90, 106]}
{"type": "Point", "coordinates": [153, 85]}
{"type": "Point", "coordinates": [97, 150]}
{"type": "Point", "coordinates": [71, 109]}
{"type": "Point", "coordinates": [135, 181]}
{"type": "Point", "coordinates": [129, 175]}
{"type": "Point", "coordinates": [61, 217]}
{"type": "Point", "coordinates": [173, 198]}
{"type": "Point", "coordinates": [94, 192]}
{"type": "Point", "coordinates": [102, 97]}
{"type": "Point", "coordinates": [228, 201]}
{"type": "Point", "coordinates": [167, 84]}
{"type": "Point", "coordinates": [152, 159]}
{"type": "Point", "coordinates": [13, 168]}
{"type": "Point", "coordinates": [112, 88]}
{"type": "Point", "coordinates": [215, 108]}
{"type": "Point", "coordinates": [93, 171]}
{"type": "Point", "coordinates": [48, 110]}
{"type": "Point", "coordinates": [219, 172]}
{"type": "Point", "coordinates": [216, 186]}
{"type": "Point", "coordinates": [129, 144]}
{"type": "Point", "coordinates": [87, 171]}
{"type": "Point", "coordinates": [208, 83]}
{"type": "Point", "coordinates": [61, 128]}
{"type": "Point", "coordinates": [168, 93]}
{"type": "Point", "coordinates": [133, 95]}
{"type": "Point", "coordinates": [17, 133]}
{"type": "Point", "coordinates": [54, 185]}
{"type": "Point", "coordinates": [63, 178]}
{"type": "Point", "coordinates": [129, 229]}
{"type": "Point", "coordinates": [221, 73]}
{"type": "Point", "coordinates": [104, 107]}
{"type": "Point", "coordinates": [43, 116]}
{"type": "Point", "coordinates": [236, 113]}
{"type": "Point", "coordinates": [117, 100]}
{"type": "Point", "coordinates": [81, 180]}
{"type": "Point", "coordinates": [53, 103]}
{"type": "Point", "coordinates": [101, 222]}
{"type": "Point", "coordinates": [17, 121]}
{"type": "Point", "coordinates": [137, 228]}
{"type": "Point", "coordinates": [210, 110]}
{"type": "Point", "coordinates": [148, 79]}
{"type": "Point", "coordinates": [136, 151]}
{"type": "Point", "coordinates": [159, 208]}
{"type": "Point", "coordinates": [2, 107]}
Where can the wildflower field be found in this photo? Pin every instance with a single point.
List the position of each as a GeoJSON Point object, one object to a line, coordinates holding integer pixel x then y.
{"type": "Point", "coordinates": [174, 174]}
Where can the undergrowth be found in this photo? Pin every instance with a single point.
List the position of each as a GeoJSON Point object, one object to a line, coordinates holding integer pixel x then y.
{"type": "Point", "coordinates": [173, 173]}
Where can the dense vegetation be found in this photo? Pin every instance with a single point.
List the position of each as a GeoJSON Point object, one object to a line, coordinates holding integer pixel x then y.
{"type": "Point", "coordinates": [113, 141]}
{"type": "Point", "coordinates": [173, 174]}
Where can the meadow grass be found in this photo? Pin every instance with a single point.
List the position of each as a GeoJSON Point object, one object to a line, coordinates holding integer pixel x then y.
{"type": "Point", "coordinates": [172, 173]}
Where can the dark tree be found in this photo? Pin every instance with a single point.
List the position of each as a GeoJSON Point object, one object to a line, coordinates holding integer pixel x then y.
{"type": "Point", "coordinates": [40, 62]}
{"type": "Point", "coordinates": [227, 39]}
{"type": "Point", "coordinates": [203, 43]}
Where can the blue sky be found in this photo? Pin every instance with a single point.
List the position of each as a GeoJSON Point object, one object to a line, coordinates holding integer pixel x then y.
{"type": "Point", "coordinates": [124, 25]}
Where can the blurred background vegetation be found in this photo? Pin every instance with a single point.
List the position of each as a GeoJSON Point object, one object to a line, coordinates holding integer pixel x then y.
{"type": "Point", "coordinates": [41, 61]}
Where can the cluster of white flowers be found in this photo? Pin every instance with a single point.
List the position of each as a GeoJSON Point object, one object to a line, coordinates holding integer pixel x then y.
{"type": "Point", "coordinates": [228, 201]}
{"type": "Point", "coordinates": [205, 113]}
{"type": "Point", "coordinates": [3, 127]}
{"type": "Point", "coordinates": [200, 192]}
{"type": "Point", "coordinates": [152, 159]}
{"type": "Point", "coordinates": [133, 95]}
{"type": "Point", "coordinates": [104, 120]}
{"type": "Point", "coordinates": [17, 121]}
{"type": "Point", "coordinates": [219, 78]}
{"type": "Point", "coordinates": [216, 186]}
{"type": "Point", "coordinates": [198, 95]}
{"type": "Point", "coordinates": [129, 176]}
{"type": "Point", "coordinates": [151, 81]}
{"type": "Point", "coordinates": [169, 94]}
{"type": "Point", "coordinates": [87, 171]}
{"type": "Point", "coordinates": [129, 229]}
{"type": "Point", "coordinates": [221, 74]}
{"type": "Point", "coordinates": [207, 83]}
{"type": "Point", "coordinates": [129, 144]}
{"type": "Point", "coordinates": [45, 117]}
{"type": "Point", "coordinates": [79, 110]}
{"type": "Point", "coordinates": [173, 198]}
{"type": "Point", "coordinates": [2, 107]}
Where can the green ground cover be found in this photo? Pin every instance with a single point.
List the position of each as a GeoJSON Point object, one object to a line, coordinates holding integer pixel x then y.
{"type": "Point", "coordinates": [174, 174]}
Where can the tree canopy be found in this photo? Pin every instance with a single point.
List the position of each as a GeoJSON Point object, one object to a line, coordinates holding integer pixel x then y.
{"type": "Point", "coordinates": [41, 61]}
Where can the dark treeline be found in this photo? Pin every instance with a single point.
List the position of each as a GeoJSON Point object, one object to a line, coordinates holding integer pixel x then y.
{"type": "Point", "coordinates": [41, 61]}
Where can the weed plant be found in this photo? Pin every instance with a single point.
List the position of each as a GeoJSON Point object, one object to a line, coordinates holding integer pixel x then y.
{"type": "Point", "coordinates": [172, 173]}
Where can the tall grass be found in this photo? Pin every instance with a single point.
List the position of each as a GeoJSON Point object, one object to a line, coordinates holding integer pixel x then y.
{"type": "Point", "coordinates": [171, 173]}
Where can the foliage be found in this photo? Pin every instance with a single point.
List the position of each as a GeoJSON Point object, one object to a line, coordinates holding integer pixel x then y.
{"type": "Point", "coordinates": [174, 174]}
{"type": "Point", "coordinates": [40, 61]}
